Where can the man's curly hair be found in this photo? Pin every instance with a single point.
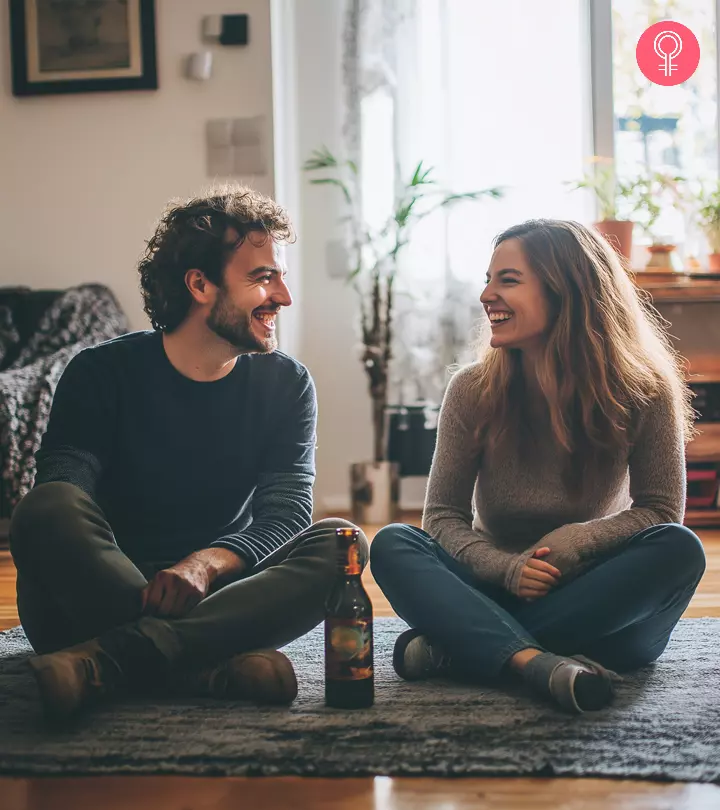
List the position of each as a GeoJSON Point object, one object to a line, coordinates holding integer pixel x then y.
{"type": "Point", "coordinates": [193, 235]}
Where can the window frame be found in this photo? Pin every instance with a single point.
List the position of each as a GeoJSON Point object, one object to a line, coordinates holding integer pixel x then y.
{"type": "Point", "coordinates": [599, 15]}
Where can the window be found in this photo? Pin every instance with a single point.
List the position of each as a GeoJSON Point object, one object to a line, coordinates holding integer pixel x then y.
{"type": "Point", "coordinates": [518, 88]}
{"type": "Point", "coordinates": [666, 129]}
{"type": "Point", "coordinates": [499, 105]}
{"type": "Point", "coordinates": [488, 95]}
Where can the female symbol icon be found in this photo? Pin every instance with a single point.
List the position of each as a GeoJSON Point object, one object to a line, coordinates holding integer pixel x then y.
{"type": "Point", "coordinates": [677, 47]}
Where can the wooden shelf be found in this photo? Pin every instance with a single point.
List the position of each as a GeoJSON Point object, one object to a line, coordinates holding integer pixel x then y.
{"type": "Point", "coordinates": [668, 287]}
{"type": "Point", "coordinates": [703, 368]}
{"type": "Point", "coordinates": [656, 272]}
{"type": "Point", "coordinates": [702, 517]}
{"type": "Point", "coordinates": [706, 444]}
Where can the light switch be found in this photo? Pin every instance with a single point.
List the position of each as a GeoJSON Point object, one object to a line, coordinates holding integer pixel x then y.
{"type": "Point", "coordinates": [248, 144]}
{"type": "Point", "coordinates": [236, 147]}
{"type": "Point", "coordinates": [212, 26]}
{"type": "Point", "coordinates": [220, 161]}
{"type": "Point", "coordinates": [227, 29]}
{"type": "Point", "coordinates": [246, 131]}
{"type": "Point", "coordinates": [219, 133]}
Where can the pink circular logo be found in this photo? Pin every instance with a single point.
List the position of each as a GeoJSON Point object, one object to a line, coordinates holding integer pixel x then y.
{"type": "Point", "coordinates": [668, 53]}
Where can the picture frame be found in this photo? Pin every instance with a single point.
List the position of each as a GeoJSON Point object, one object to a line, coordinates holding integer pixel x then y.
{"type": "Point", "coordinates": [77, 46]}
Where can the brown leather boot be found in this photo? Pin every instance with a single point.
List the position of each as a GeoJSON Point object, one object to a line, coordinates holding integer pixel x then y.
{"type": "Point", "coordinates": [262, 676]}
{"type": "Point", "coordinates": [75, 678]}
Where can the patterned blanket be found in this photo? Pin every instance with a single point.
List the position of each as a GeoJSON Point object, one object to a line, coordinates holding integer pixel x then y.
{"type": "Point", "coordinates": [81, 316]}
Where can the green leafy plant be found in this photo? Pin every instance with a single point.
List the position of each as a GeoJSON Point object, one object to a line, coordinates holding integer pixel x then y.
{"type": "Point", "coordinates": [653, 191]}
{"type": "Point", "coordinates": [374, 257]}
{"type": "Point", "coordinates": [709, 216]}
{"type": "Point", "coordinates": [615, 197]}
{"type": "Point", "coordinates": [640, 199]}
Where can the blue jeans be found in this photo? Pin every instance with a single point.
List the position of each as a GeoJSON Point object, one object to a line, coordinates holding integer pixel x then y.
{"type": "Point", "coordinates": [620, 613]}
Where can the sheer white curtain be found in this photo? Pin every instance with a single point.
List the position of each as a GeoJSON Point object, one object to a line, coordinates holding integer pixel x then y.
{"type": "Point", "coordinates": [490, 94]}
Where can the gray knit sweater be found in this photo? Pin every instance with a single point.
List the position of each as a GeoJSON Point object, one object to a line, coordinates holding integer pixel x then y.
{"type": "Point", "coordinates": [491, 513]}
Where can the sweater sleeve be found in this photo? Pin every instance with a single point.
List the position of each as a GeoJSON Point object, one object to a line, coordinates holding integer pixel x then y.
{"type": "Point", "coordinates": [77, 444]}
{"type": "Point", "coordinates": [657, 488]}
{"type": "Point", "coordinates": [282, 503]}
{"type": "Point", "coordinates": [447, 516]}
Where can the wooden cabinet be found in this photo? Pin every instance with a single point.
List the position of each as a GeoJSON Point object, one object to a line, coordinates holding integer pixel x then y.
{"type": "Point", "coordinates": [704, 450]}
{"type": "Point", "coordinates": [667, 289]}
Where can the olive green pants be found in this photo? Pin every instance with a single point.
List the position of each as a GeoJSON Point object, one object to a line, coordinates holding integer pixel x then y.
{"type": "Point", "coordinates": [75, 583]}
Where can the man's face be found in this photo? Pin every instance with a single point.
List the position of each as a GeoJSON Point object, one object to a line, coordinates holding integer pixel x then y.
{"type": "Point", "coordinates": [248, 300]}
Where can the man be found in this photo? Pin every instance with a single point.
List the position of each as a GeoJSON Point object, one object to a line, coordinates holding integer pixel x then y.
{"type": "Point", "coordinates": [167, 543]}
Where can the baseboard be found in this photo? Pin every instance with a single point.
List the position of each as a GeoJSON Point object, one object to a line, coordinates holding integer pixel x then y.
{"type": "Point", "coordinates": [412, 497]}
{"type": "Point", "coordinates": [4, 532]}
{"type": "Point", "coordinates": [408, 514]}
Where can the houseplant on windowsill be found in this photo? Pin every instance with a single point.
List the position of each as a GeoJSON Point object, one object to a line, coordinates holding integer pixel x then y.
{"type": "Point", "coordinates": [614, 197]}
{"type": "Point", "coordinates": [373, 270]}
{"type": "Point", "coordinates": [709, 217]}
{"type": "Point", "coordinates": [653, 191]}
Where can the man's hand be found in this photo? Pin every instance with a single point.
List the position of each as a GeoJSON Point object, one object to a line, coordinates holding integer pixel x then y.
{"type": "Point", "coordinates": [538, 576]}
{"type": "Point", "coordinates": [175, 591]}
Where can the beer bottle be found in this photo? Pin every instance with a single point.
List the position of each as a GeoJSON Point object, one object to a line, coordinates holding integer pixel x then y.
{"type": "Point", "coordinates": [349, 681]}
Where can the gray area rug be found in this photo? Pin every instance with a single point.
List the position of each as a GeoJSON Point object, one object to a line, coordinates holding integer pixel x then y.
{"type": "Point", "coordinates": [665, 724]}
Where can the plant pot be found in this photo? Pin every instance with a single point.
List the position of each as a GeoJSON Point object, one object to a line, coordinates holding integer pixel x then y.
{"type": "Point", "coordinates": [618, 233]}
{"type": "Point", "coordinates": [663, 257]}
{"type": "Point", "coordinates": [412, 435]}
{"type": "Point", "coordinates": [714, 262]}
{"type": "Point", "coordinates": [375, 492]}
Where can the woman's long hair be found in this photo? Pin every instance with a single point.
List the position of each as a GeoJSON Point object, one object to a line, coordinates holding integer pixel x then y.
{"type": "Point", "coordinates": [606, 354]}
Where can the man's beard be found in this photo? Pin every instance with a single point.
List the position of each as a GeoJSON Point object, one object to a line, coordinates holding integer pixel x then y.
{"type": "Point", "coordinates": [234, 325]}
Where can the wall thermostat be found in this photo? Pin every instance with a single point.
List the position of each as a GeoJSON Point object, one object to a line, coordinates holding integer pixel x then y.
{"type": "Point", "coordinates": [227, 29]}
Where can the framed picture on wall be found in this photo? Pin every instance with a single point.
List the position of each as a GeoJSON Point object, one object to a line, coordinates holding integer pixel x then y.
{"type": "Point", "coordinates": [82, 46]}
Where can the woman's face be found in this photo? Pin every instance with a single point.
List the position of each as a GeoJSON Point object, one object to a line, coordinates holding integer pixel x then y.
{"type": "Point", "coordinates": [515, 300]}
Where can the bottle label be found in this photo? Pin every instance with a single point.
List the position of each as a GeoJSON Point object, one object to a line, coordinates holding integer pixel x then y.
{"type": "Point", "coordinates": [348, 649]}
{"type": "Point", "coordinates": [350, 560]}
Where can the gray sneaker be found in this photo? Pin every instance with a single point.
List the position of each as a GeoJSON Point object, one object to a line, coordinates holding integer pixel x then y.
{"type": "Point", "coordinates": [415, 658]}
{"type": "Point", "coordinates": [576, 683]}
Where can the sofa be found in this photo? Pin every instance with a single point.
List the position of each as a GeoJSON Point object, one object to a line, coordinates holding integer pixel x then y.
{"type": "Point", "coordinates": [40, 331]}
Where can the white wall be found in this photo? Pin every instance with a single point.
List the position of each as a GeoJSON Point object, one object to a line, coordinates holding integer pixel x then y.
{"type": "Point", "coordinates": [83, 178]}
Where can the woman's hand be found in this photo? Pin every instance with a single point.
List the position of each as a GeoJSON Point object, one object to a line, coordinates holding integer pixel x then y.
{"type": "Point", "coordinates": [538, 576]}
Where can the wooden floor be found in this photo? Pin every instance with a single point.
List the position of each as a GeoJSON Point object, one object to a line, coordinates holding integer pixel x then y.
{"type": "Point", "coordinates": [381, 793]}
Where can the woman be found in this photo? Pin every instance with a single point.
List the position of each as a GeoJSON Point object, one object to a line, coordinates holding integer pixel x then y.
{"type": "Point", "coordinates": [551, 544]}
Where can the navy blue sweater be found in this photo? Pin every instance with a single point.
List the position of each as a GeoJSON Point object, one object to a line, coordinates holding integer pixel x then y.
{"type": "Point", "coordinates": [178, 465]}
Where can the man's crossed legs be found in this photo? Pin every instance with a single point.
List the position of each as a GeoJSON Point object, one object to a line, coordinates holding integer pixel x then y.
{"type": "Point", "coordinates": [78, 590]}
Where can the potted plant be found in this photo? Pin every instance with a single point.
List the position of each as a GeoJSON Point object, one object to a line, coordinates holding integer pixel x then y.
{"type": "Point", "coordinates": [374, 255]}
{"type": "Point", "coordinates": [652, 191]}
{"type": "Point", "coordinates": [611, 195]}
{"type": "Point", "coordinates": [709, 216]}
